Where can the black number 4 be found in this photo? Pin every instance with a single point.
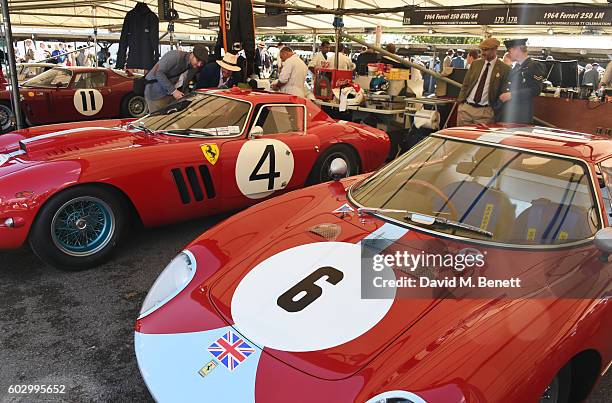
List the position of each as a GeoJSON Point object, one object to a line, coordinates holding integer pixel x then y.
{"type": "Point", "coordinates": [308, 286]}
{"type": "Point", "coordinates": [272, 174]}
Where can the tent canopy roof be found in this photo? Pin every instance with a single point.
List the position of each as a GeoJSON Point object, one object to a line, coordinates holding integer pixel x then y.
{"type": "Point", "coordinates": [108, 15]}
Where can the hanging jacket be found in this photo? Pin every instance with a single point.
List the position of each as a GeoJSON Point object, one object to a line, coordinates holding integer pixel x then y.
{"type": "Point", "coordinates": [139, 42]}
{"type": "Point", "coordinates": [237, 25]}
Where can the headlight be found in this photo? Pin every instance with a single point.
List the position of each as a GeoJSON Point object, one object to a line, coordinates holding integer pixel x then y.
{"type": "Point", "coordinates": [397, 396]}
{"type": "Point", "coordinates": [3, 159]}
{"type": "Point", "coordinates": [170, 282]}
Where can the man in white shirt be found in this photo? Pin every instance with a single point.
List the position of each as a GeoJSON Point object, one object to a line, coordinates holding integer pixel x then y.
{"type": "Point", "coordinates": [292, 77]}
{"type": "Point", "coordinates": [344, 62]}
{"type": "Point", "coordinates": [485, 81]}
{"type": "Point", "coordinates": [319, 59]}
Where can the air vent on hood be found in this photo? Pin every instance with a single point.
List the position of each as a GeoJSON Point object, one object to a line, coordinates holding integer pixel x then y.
{"type": "Point", "coordinates": [329, 232]}
{"type": "Point", "coordinates": [194, 182]}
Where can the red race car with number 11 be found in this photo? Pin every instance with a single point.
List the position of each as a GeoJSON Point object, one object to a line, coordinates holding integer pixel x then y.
{"type": "Point", "coordinates": [66, 94]}
{"type": "Point", "coordinates": [71, 190]}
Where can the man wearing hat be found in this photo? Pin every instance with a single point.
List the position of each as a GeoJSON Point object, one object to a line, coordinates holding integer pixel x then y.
{"type": "Point", "coordinates": [458, 62]}
{"type": "Point", "coordinates": [485, 81]}
{"type": "Point", "coordinates": [220, 73]}
{"type": "Point", "coordinates": [526, 79]}
{"type": "Point", "coordinates": [591, 76]}
{"type": "Point", "coordinates": [163, 79]}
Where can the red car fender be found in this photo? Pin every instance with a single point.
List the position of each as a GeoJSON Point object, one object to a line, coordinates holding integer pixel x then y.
{"type": "Point", "coordinates": [19, 201]}
{"type": "Point", "coordinates": [488, 362]}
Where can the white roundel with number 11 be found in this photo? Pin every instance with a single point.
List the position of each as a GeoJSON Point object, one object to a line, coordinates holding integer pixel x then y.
{"type": "Point", "coordinates": [263, 166]}
{"type": "Point", "coordinates": [88, 102]}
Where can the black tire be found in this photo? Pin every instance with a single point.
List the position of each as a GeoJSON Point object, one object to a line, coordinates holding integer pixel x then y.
{"type": "Point", "coordinates": [73, 216]}
{"type": "Point", "coordinates": [133, 106]}
{"type": "Point", "coordinates": [7, 118]}
{"type": "Point", "coordinates": [320, 171]}
{"type": "Point", "coordinates": [558, 391]}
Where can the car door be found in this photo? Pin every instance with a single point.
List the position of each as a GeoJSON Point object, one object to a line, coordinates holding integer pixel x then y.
{"type": "Point", "coordinates": [274, 157]}
{"type": "Point", "coordinates": [84, 98]}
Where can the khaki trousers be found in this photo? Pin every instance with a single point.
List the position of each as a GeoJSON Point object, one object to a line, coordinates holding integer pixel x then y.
{"type": "Point", "coordinates": [156, 104]}
{"type": "Point", "coordinates": [470, 115]}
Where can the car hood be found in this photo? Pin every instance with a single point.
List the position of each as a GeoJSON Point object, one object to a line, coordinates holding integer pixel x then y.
{"type": "Point", "coordinates": [340, 332]}
{"type": "Point", "coordinates": [60, 142]}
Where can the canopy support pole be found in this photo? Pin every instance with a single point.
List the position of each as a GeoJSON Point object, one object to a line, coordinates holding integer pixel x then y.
{"type": "Point", "coordinates": [8, 36]}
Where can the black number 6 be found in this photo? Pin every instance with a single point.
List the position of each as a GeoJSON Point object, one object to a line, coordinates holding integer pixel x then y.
{"type": "Point", "coordinates": [313, 291]}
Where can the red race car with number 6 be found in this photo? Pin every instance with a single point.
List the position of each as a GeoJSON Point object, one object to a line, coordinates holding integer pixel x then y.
{"type": "Point", "coordinates": [474, 268]}
{"type": "Point", "coordinates": [72, 189]}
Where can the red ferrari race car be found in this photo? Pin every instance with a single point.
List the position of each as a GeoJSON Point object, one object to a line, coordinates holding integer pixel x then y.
{"type": "Point", "coordinates": [66, 94]}
{"type": "Point", "coordinates": [71, 190]}
{"type": "Point", "coordinates": [276, 304]}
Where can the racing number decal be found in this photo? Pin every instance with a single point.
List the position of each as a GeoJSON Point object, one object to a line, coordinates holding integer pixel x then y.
{"type": "Point", "coordinates": [310, 288]}
{"type": "Point", "coordinates": [263, 166]}
{"type": "Point", "coordinates": [272, 174]}
{"type": "Point", "coordinates": [88, 102]}
{"type": "Point", "coordinates": [306, 298]}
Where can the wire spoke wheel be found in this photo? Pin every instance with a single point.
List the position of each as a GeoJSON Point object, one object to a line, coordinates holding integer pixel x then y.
{"type": "Point", "coordinates": [137, 106]}
{"type": "Point", "coordinates": [83, 226]}
{"type": "Point", "coordinates": [6, 117]}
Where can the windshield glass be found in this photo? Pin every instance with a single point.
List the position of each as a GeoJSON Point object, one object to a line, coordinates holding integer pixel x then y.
{"type": "Point", "coordinates": [54, 78]}
{"type": "Point", "coordinates": [520, 197]}
{"type": "Point", "coordinates": [205, 114]}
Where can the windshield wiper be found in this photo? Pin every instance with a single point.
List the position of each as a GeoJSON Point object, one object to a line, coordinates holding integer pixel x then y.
{"type": "Point", "coordinates": [376, 210]}
{"type": "Point", "coordinates": [142, 127]}
{"type": "Point", "coordinates": [200, 132]}
{"type": "Point", "coordinates": [426, 219]}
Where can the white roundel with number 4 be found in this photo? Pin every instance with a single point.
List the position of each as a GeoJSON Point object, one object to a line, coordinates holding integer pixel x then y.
{"type": "Point", "coordinates": [88, 102]}
{"type": "Point", "coordinates": [306, 298]}
{"type": "Point", "coordinates": [263, 166]}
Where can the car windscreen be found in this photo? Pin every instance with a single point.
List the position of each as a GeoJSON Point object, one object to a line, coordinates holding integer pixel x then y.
{"type": "Point", "coordinates": [519, 197]}
{"type": "Point", "coordinates": [54, 78]}
{"type": "Point", "coordinates": [205, 114]}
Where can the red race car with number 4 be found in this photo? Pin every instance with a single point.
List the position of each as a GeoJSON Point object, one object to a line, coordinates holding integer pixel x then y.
{"type": "Point", "coordinates": [66, 94]}
{"type": "Point", "coordinates": [71, 190]}
{"type": "Point", "coordinates": [474, 268]}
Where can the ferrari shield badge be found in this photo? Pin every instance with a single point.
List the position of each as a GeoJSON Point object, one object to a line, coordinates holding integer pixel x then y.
{"type": "Point", "coordinates": [208, 368]}
{"type": "Point", "coordinates": [211, 152]}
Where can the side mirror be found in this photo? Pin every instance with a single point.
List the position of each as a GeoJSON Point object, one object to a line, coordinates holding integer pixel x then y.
{"type": "Point", "coordinates": [256, 131]}
{"type": "Point", "coordinates": [338, 169]}
{"type": "Point", "coordinates": [603, 242]}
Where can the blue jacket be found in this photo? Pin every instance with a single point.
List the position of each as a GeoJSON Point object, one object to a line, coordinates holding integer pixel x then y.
{"type": "Point", "coordinates": [209, 77]}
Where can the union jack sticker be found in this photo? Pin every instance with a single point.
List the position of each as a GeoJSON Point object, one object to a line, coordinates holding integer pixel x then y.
{"type": "Point", "coordinates": [231, 350]}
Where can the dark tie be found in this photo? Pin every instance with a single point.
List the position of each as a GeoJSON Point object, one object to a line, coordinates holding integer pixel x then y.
{"type": "Point", "coordinates": [481, 84]}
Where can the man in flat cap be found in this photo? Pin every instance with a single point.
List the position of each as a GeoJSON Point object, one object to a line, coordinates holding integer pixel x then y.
{"type": "Point", "coordinates": [526, 79]}
{"type": "Point", "coordinates": [165, 79]}
{"type": "Point", "coordinates": [485, 81]}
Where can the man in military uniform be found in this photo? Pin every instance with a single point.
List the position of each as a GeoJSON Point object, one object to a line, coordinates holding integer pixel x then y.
{"type": "Point", "coordinates": [525, 83]}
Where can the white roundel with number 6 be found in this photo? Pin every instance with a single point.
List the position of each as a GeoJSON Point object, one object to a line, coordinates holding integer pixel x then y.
{"type": "Point", "coordinates": [263, 166]}
{"type": "Point", "coordinates": [306, 298]}
{"type": "Point", "coordinates": [88, 102]}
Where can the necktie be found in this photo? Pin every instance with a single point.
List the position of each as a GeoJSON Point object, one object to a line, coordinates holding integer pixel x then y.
{"type": "Point", "coordinates": [481, 84]}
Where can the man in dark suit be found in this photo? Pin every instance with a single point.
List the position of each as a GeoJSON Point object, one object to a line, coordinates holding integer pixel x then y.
{"type": "Point", "coordinates": [526, 78]}
{"type": "Point", "coordinates": [485, 81]}
{"type": "Point", "coordinates": [219, 74]}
